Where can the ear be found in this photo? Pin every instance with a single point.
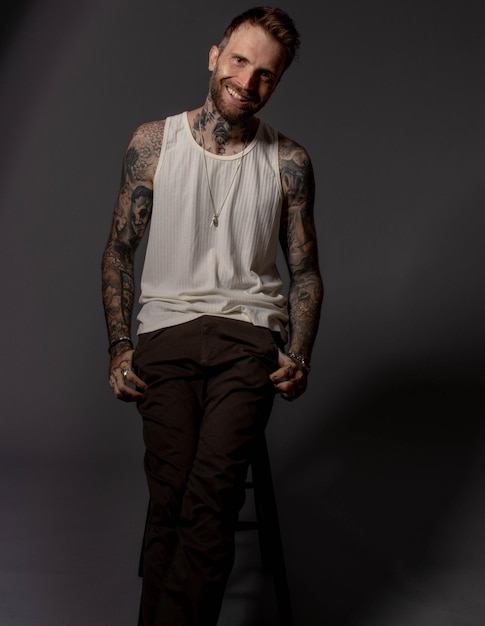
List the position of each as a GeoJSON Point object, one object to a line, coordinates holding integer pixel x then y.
{"type": "Point", "coordinates": [213, 56]}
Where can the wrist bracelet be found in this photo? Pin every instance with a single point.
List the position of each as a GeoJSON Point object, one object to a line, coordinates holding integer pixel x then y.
{"type": "Point", "coordinates": [119, 340]}
{"type": "Point", "coordinates": [301, 360]}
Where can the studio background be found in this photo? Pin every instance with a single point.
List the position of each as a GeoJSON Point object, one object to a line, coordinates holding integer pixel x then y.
{"type": "Point", "coordinates": [379, 469]}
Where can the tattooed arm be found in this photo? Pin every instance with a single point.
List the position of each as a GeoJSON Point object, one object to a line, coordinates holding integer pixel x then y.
{"type": "Point", "coordinates": [299, 243]}
{"type": "Point", "coordinates": [131, 215]}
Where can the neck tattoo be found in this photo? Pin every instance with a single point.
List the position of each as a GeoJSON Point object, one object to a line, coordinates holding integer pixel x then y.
{"type": "Point", "coordinates": [216, 213]}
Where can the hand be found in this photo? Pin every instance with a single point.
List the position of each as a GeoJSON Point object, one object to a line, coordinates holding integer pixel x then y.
{"type": "Point", "coordinates": [122, 376]}
{"type": "Point", "coordinates": [290, 379]}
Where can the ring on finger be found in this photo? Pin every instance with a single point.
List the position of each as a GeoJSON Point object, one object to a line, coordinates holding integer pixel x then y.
{"type": "Point", "coordinates": [124, 373]}
{"type": "Point", "coordinates": [291, 371]}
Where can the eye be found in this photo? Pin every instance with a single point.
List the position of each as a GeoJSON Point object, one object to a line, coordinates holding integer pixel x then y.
{"type": "Point", "coordinates": [267, 77]}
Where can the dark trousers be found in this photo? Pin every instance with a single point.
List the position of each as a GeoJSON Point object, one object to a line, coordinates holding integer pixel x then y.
{"type": "Point", "coordinates": [208, 398]}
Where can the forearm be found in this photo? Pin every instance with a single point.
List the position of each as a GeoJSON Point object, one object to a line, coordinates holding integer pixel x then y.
{"type": "Point", "coordinates": [304, 307]}
{"type": "Point", "coordinates": [298, 240]}
{"type": "Point", "coordinates": [118, 291]}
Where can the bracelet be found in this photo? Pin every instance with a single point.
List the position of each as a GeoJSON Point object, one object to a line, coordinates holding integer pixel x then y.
{"type": "Point", "coordinates": [299, 358]}
{"type": "Point", "coordinates": [117, 341]}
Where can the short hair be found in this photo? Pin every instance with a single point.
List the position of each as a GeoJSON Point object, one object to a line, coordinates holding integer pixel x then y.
{"type": "Point", "coordinates": [275, 22]}
{"type": "Point", "coordinates": [141, 192]}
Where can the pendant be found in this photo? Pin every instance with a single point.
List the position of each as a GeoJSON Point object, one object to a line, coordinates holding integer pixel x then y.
{"type": "Point", "coordinates": [215, 221]}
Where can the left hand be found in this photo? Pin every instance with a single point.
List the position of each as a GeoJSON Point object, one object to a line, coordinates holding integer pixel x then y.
{"type": "Point", "coordinates": [290, 379]}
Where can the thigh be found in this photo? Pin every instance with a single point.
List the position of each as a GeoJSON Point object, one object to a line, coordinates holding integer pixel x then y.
{"type": "Point", "coordinates": [172, 405]}
{"type": "Point", "coordinates": [239, 394]}
{"type": "Point", "coordinates": [209, 396]}
{"type": "Point", "coordinates": [237, 404]}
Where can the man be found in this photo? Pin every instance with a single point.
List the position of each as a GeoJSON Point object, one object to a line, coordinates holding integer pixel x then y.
{"type": "Point", "coordinates": [220, 187]}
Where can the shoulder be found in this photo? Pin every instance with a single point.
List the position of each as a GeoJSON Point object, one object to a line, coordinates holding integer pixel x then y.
{"type": "Point", "coordinates": [295, 165]}
{"type": "Point", "coordinates": [149, 135]}
{"type": "Point", "coordinates": [143, 151]}
{"type": "Point", "coordinates": [289, 150]}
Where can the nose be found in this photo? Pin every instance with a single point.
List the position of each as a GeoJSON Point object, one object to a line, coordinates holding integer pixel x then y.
{"type": "Point", "coordinates": [248, 79]}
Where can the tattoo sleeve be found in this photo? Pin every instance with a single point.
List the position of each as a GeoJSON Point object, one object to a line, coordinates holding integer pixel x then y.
{"type": "Point", "coordinates": [299, 243]}
{"type": "Point", "coordinates": [131, 215]}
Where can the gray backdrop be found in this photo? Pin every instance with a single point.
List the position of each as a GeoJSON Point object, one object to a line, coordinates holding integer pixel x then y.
{"type": "Point", "coordinates": [379, 468]}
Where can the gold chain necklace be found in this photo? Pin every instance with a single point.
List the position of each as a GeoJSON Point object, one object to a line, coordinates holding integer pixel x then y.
{"type": "Point", "coordinates": [215, 212]}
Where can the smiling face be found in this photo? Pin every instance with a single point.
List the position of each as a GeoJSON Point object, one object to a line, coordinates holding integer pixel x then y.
{"type": "Point", "coordinates": [245, 72]}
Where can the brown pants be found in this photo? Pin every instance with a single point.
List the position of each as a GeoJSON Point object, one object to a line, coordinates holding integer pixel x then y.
{"type": "Point", "coordinates": [208, 398]}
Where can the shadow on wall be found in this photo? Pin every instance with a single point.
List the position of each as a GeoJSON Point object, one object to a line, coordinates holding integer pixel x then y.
{"type": "Point", "coordinates": [389, 473]}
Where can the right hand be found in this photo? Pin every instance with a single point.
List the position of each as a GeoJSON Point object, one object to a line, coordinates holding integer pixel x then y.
{"type": "Point", "coordinates": [126, 385]}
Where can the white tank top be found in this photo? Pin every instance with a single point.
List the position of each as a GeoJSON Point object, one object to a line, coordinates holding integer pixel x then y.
{"type": "Point", "coordinates": [193, 268]}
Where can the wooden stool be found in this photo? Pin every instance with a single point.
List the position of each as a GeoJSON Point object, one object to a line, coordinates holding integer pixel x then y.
{"type": "Point", "coordinates": [268, 527]}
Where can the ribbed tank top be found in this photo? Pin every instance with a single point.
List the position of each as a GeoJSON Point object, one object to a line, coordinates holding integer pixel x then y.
{"type": "Point", "coordinates": [193, 268]}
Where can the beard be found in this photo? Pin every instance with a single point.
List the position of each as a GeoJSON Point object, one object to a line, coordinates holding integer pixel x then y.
{"type": "Point", "coordinates": [233, 114]}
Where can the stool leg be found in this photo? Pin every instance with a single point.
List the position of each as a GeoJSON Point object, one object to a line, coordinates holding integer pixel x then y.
{"type": "Point", "coordinates": [140, 561]}
{"type": "Point", "coordinates": [271, 545]}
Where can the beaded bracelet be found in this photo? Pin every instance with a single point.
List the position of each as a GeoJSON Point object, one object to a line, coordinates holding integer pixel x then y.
{"type": "Point", "coordinates": [115, 342]}
{"type": "Point", "coordinates": [299, 358]}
